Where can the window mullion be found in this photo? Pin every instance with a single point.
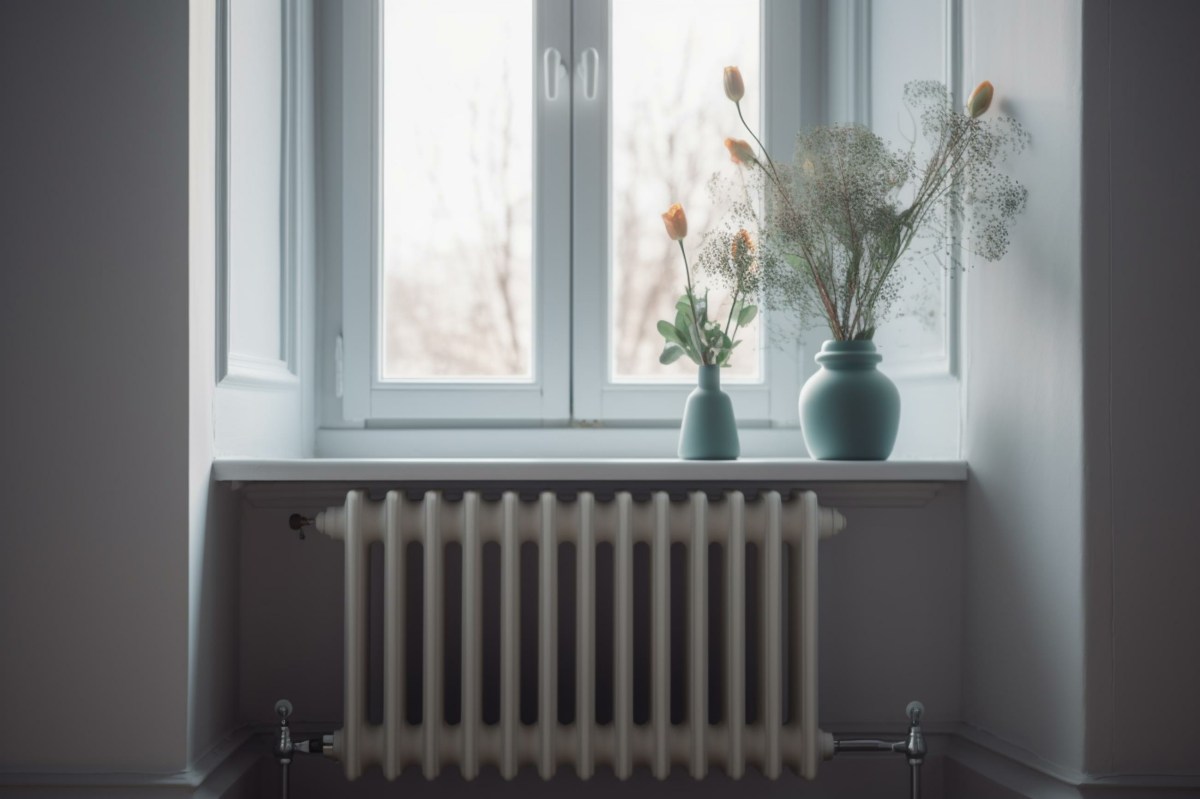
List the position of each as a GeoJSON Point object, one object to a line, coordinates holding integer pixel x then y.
{"type": "Point", "coordinates": [791, 69]}
{"type": "Point", "coordinates": [590, 205]}
{"type": "Point", "coordinates": [359, 96]}
{"type": "Point", "coordinates": [552, 219]}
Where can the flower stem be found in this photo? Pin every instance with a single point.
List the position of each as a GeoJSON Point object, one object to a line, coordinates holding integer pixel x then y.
{"type": "Point", "coordinates": [703, 351]}
{"type": "Point", "coordinates": [826, 300]}
{"type": "Point", "coordinates": [754, 136]}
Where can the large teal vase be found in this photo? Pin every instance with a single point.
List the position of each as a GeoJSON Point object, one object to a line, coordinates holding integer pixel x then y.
{"type": "Point", "coordinates": [709, 431]}
{"type": "Point", "coordinates": [849, 410]}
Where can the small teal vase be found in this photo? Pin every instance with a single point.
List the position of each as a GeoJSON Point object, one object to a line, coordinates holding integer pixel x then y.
{"type": "Point", "coordinates": [709, 431]}
{"type": "Point", "coordinates": [849, 410]}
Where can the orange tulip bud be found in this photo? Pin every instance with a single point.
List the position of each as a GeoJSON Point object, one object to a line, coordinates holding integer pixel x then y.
{"type": "Point", "coordinates": [676, 222]}
{"type": "Point", "coordinates": [740, 151]}
{"type": "Point", "coordinates": [980, 99]}
{"type": "Point", "coordinates": [734, 88]}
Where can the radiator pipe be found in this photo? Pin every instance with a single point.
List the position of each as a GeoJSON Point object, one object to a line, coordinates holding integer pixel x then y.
{"type": "Point", "coordinates": [285, 746]}
{"type": "Point", "coordinates": [912, 747]}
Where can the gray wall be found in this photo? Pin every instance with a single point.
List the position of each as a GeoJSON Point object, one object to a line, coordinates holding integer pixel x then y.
{"type": "Point", "coordinates": [1081, 649]}
{"type": "Point", "coordinates": [94, 316]}
{"type": "Point", "coordinates": [1141, 201]}
{"type": "Point", "coordinates": [1024, 650]}
{"type": "Point", "coordinates": [118, 626]}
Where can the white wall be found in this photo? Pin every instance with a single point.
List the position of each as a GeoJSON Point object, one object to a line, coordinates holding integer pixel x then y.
{"type": "Point", "coordinates": [1024, 660]}
{"type": "Point", "coordinates": [94, 315]}
{"type": "Point", "coordinates": [1141, 200]}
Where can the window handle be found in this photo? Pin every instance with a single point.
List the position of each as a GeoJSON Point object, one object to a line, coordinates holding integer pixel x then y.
{"type": "Point", "coordinates": [553, 70]}
{"type": "Point", "coordinates": [589, 70]}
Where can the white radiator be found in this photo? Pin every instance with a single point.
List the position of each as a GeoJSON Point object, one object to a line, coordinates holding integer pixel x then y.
{"type": "Point", "coordinates": [784, 530]}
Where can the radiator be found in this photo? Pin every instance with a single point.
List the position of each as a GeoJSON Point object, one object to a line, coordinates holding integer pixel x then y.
{"type": "Point", "coordinates": [784, 531]}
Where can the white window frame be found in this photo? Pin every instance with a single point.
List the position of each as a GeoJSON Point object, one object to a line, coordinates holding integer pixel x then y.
{"type": "Point", "coordinates": [570, 384]}
{"type": "Point", "coordinates": [816, 66]}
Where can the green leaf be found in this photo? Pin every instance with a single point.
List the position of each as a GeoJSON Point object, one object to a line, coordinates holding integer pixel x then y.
{"type": "Point", "coordinates": [684, 324]}
{"type": "Point", "coordinates": [670, 354]}
{"type": "Point", "coordinates": [746, 315]}
{"type": "Point", "coordinates": [670, 332]}
{"type": "Point", "coordinates": [683, 308]}
{"type": "Point", "coordinates": [865, 335]}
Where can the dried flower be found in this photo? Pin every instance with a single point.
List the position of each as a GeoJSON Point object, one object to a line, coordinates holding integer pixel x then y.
{"type": "Point", "coordinates": [676, 222]}
{"type": "Point", "coordinates": [839, 221]}
{"type": "Point", "coordinates": [740, 152]}
{"type": "Point", "coordinates": [735, 89]}
{"type": "Point", "coordinates": [742, 245]}
{"type": "Point", "coordinates": [980, 100]}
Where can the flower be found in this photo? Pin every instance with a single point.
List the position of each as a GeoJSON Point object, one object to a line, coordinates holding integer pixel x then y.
{"type": "Point", "coordinates": [740, 151]}
{"type": "Point", "coordinates": [980, 99]}
{"type": "Point", "coordinates": [742, 245]}
{"type": "Point", "coordinates": [676, 222]}
{"type": "Point", "coordinates": [734, 88]}
{"type": "Point", "coordinates": [833, 229]}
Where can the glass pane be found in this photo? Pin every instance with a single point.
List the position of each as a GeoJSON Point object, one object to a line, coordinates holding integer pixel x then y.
{"type": "Point", "coordinates": [670, 119]}
{"type": "Point", "coordinates": [915, 333]}
{"type": "Point", "coordinates": [457, 190]}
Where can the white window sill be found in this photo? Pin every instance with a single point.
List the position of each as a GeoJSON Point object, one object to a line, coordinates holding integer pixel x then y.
{"type": "Point", "coordinates": [896, 483]}
{"type": "Point", "coordinates": [916, 442]}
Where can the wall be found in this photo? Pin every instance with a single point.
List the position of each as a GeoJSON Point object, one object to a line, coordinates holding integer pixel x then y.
{"type": "Point", "coordinates": [94, 313]}
{"type": "Point", "coordinates": [1025, 609]}
{"type": "Point", "coordinates": [118, 631]}
{"type": "Point", "coordinates": [1141, 200]}
{"type": "Point", "coordinates": [212, 519]}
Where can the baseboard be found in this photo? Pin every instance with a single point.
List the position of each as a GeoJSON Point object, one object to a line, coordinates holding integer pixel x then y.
{"type": "Point", "coordinates": [984, 766]}
{"type": "Point", "coordinates": [967, 763]}
{"type": "Point", "coordinates": [215, 776]}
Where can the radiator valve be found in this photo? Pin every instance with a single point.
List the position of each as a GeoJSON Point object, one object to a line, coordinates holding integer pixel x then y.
{"type": "Point", "coordinates": [912, 747]}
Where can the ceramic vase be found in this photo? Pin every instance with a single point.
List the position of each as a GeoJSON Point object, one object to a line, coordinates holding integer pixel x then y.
{"type": "Point", "coordinates": [709, 431]}
{"type": "Point", "coordinates": [849, 410]}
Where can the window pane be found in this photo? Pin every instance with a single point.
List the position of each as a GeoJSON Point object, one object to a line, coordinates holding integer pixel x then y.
{"type": "Point", "coordinates": [670, 119]}
{"type": "Point", "coordinates": [457, 193]}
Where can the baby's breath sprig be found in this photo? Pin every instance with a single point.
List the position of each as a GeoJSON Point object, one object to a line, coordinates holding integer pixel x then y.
{"type": "Point", "coordinates": [832, 228]}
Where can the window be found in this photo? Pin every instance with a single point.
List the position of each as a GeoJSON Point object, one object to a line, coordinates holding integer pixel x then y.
{"type": "Point", "coordinates": [504, 164]}
{"type": "Point", "coordinates": [491, 192]}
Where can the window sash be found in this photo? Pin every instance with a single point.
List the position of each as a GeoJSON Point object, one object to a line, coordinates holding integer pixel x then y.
{"type": "Point", "coordinates": [546, 398]}
{"type": "Point", "coordinates": [571, 259]}
{"type": "Point", "coordinates": [596, 397]}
